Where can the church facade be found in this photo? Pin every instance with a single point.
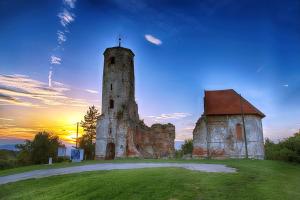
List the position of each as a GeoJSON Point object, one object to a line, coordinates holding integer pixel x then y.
{"type": "Point", "coordinates": [230, 127]}
{"type": "Point", "coordinates": [120, 132]}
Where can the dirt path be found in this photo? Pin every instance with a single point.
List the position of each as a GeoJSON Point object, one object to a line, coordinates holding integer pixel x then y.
{"type": "Point", "coordinates": [112, 166]}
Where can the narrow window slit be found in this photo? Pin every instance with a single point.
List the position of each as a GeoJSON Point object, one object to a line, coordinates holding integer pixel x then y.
{"type": "Point", "coordinates": [111, 103]}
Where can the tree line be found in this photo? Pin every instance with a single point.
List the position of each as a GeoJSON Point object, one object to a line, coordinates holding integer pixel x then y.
{"type": "Point", "coordinates": [45, 145]}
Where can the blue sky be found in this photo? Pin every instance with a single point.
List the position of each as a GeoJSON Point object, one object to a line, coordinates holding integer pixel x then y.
{"type": "Point", "coordinates": [250, 46]}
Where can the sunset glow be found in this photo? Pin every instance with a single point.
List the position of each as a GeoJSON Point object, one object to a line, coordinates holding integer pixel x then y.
{"type": "Point", "coordinates": [51, 62]}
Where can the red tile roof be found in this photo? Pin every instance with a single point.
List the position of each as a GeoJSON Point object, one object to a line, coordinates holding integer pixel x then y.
{"type": "Point", "coordinates": [227, 102]}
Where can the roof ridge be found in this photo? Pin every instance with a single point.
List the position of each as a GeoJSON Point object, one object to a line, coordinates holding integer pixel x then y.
{"type": "Point", "coordinates": [228, 102]}
{"type": "Point", "coordinates": [249, 103]}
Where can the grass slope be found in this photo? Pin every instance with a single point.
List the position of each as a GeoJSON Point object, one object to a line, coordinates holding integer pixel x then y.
{"type": "Point", "coordinates": [255, 180]}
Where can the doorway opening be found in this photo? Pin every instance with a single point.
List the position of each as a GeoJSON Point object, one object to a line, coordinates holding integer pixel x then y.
{"type": "Point", "coordinates": [110, 151]}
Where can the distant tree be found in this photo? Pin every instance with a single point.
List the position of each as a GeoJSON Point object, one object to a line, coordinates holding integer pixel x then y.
{"type": "Point", "coordinates": [88, 145]}
{"type": "Point", "coordinates": [44, 145]}
{"type": "Point", "coordinates": [87, 141]}
{"type": "Point", "coordinates": [178, 153]}
{"type": "Point", "coordinates": [287, 149]}
{"type": "Point", "coordinates": [187, 147]}
{"type": "Point", "coordinates": [38, 151]}
{"type": "Point", "coordinates": [24, 156]}
{"type": "Point", "coordinates": [90, 122]}
{"type": "Point", "coordinates": [7, 159]}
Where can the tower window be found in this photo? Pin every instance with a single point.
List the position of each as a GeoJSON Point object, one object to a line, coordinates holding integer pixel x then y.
{"type": "Point", "coordinates": [111, 103]}
{"type": "Point", "coordinates": [111, 87]}
{"type": "Point", "coordinates": [112, 60]}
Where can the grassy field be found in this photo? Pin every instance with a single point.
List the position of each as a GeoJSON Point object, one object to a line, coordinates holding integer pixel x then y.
{"type": "Point", "coordinates": [254, 180]}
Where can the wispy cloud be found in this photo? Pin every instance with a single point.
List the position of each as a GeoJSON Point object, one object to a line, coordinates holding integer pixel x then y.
{"type": "Point", "coordinates": [177, 115]}
{"type": "Point", "coordinates": [24, 91]}
{"type": "Point", "coordinates": [188, 128]}
{"type": "Point", "coordinates": [66, 17]}
{"type": "Point", "coordinates": [8, 100]}
{"type": "Point", "coordinates": [50, 78]}
{"type": "Point", "coordinates": [5, 119]}
{"type": "Point", "coordinates": [153, 40]}
{"type": "Point", "coordinates": [70, 3]}
{"type": "Point", "coordinates": [285, 85]}
{"type": "Point", "coordinates": [55, 60]}
{"type": "Point", "coordinates": [61, 37]}
{"type": "Point", "coordinates": [20, 133]}
{"type": "Point", "coordinates": [92, 91]}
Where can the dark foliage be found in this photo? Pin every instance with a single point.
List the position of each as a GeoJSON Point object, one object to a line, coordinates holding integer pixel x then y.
{"type": "Point", "coordinates": [8, 159]}
{"type": "Point", "coordinates": [287, 150]}
{"type": "Point", "coordinates": [87, 141]}
{"type": "Point", "coordinates": [38, 151]}
{"type": "Point", "coordinates": [187, 147]}
{"type": "Point", "coordinates": [88, 145]}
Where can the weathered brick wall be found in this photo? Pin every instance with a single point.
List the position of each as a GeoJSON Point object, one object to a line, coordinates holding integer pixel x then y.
{"type": "Point", "coordinates": [223, 137]}
{"type": "Point", "coordinates": [156, 141]}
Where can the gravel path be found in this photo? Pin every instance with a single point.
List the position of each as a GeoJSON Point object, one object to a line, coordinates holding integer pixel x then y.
{"type": "Point", "coordinates": [111, 166]}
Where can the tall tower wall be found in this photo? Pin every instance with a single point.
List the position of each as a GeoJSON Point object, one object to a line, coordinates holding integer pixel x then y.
{"type": "Point", "coordinates": [119, 110]}
{"type": "Point", "coordinates": [120, 133]}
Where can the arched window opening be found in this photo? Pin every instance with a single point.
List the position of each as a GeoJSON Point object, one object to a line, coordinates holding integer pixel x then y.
{"type": "Point", "coordinates": [239, 131]}
{"type": "Point", "coordinates": [112, 60]}
{"type": "Point", "coordinates": [111, 87]}
{"type": "Point", "coordinates": [111, 103]}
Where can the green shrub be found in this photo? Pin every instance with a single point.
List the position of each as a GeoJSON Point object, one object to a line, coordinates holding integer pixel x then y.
{"type": "Point", "coordinates": [6, 164]}
{"type": "Point", "coordinates": [38, 151]}
{"type": "Point", "coordinates": [178, 153]}
{"type": "Point", "coordinates": [286, 150]}
{"type": "Point", "coordinates": [187, 147]}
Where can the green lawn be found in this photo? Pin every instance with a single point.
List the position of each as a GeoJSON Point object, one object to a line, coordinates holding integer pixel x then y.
{"type": "Point", "coordinates": [254, 180]}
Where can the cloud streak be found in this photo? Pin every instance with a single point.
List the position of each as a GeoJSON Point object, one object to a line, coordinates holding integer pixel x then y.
{"type": "Point", "coordinates": [55, 60]}
{"type": "Point", "coordinates": [177, 115]}
{"type": "Point", "coordinates": [70, 3]}
{"type": "Point", "coordinates": [5, 119]}
{"type": "Point", "coordinates": [61, 37]}
{"type": "Point", "coordinates": [66, 17]}
{"type": "Point", "coordinates": [21, 90]}
{"type": "Point", "coordinates": [92, 91]}
{"type": "Point", "coordinates": [153, 40]}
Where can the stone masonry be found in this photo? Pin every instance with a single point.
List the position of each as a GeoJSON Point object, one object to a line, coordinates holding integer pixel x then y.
{"type": "Point", "coordinates": [219, 132]}
{"type": "Point", "coordinates": [120, 132]}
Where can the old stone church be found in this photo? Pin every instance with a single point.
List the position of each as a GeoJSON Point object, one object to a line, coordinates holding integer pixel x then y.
{"type": "Point", "coordinates": [120, 132]}
{"type": "Point", "coordinates": [230, 127]}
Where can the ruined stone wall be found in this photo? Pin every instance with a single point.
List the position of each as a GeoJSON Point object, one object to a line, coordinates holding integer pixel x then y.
{"type": "Point", "coordinates": [156, 141]}
{"type": "Point", "coordinates": [163, 136]}
{"type": "Point", "coordinates": [223, 137]}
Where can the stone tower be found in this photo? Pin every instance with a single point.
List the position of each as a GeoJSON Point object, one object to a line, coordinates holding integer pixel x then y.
{"type": "Point", "coordinates": [117, 123]}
